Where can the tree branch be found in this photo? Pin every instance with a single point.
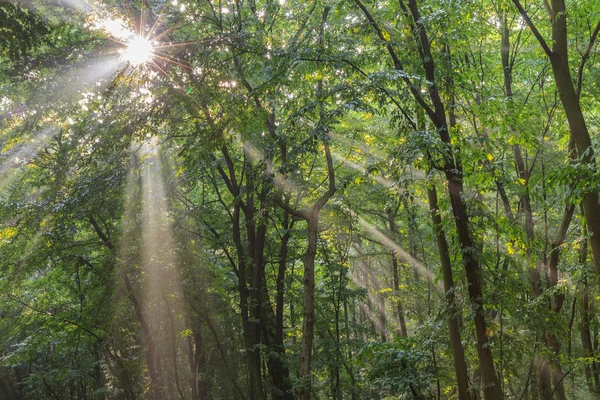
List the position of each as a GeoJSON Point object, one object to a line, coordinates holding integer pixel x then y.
{"type": "Point", "coordinates": [397, 64]}
{"type": "Point", "coordinates": [534, 30]}
{"type": "Point", "coordinates": [585, 56]}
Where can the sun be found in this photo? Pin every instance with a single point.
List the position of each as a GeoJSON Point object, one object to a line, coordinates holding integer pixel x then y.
{"type": "Point", "coordinates": [140, 48]}
{"type": "Point", "coordinates": [139, 51]}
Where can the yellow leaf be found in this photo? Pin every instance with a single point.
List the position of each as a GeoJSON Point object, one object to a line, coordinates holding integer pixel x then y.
{"type": "Point", "coordinates": [186, 333]}
{"type": "Point", "coordinates": [510, 248]}
{"type": "Point", "coordinates": [10, 143]}
{"type": "Point", "coordinates": [8, 233]}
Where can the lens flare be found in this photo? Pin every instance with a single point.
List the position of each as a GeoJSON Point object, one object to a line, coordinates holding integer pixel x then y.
{"type": "Point", "coordinates": [139, 51]}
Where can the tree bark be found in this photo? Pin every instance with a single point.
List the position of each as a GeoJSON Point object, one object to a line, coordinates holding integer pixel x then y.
{"type": "Point", "coordinates": [308, 314]}
{"type": "Point", "coordinates": [458, 353]}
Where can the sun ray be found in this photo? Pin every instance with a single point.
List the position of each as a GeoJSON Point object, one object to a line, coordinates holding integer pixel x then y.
{"type": "Point", "coordinates": [166, 46]}
{"type": "Point", "coordinates": [165, 32]}
{"type": "Point", "coordinates": [391, 245]}
{"type": "Point", "coordinates": [117, 41]}
{"type": "Point", "coordinates": [161, 70]}
{"type": "Point", "coordinates": [141, 33]}
{"type": "Point", "coordinates": [153, 27]}
{"type": "Point", "coordinates": [171, 61]}
{"type": "Point", "coordinates": [169, 56]}
{"type": "Point", "coordinates": [160, 263]}
{"type": "Point", "coordinates": [20, 155]}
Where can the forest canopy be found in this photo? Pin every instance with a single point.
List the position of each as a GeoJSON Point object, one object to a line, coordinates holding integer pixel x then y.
{"type": "Point", "coordinates": [299, 199]}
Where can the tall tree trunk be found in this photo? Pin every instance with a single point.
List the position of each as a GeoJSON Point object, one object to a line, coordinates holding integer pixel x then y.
{"type": "Point", "coordinates": [568, 93]}
{"type": "Point", "coordinates": [309, 309]}
{"type": "Point", "coordinates": [173, 338]}
{"type": "Point", "coordinates": [151, 355]}
{"type": "Point", "coordinates": [311, 217]}
{"type": "Point", "coordinates": [578, 128]}
{"type": "Point", "coordinates": [591, 369]}
{"type": "Point", "coordinates": [202, 387]}
{"type": "Point", "coordinates": [458, 353]}
{"type": "Point", "coordinates": [273, 323]}
{"type": "Point", "coordinates": [191, 362]}
{"type": "Point", "coordinates": [519, 163]}
{"type": "Point", "coordinates": [396, 277]}
{"type": "Point", "coordinates": [250, 327]}
{"type": "Point", "coordinates": [551, 339]}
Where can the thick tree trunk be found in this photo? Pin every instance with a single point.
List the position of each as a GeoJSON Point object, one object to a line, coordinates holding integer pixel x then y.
{"type": "Point", "coordinates": [273, 324]}
{"type": "Point", "coordinates": [250, 328]}
{"type": "Point", "coordinates": [458, 353]}
{"type": "Point", "coordinates": [492, 390]}
{"type": "Point", "coordinates": [569, 98]}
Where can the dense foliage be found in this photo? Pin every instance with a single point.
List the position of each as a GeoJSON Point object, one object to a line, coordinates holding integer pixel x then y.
{"type": "Point", "coordinates": [295, 199]}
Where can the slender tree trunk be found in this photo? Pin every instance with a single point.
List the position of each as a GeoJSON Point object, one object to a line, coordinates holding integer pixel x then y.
{"type": "Point", "coordinates": [382, 319]}
{"type": "Point", "coordinates": [396, 278]}
{"type": "Point", "coordinates": [309, 308]}
{"type": "Point", "coordinates": [151, 355]}
{"type": "Point", "coordinates": [519, 163]}
{"type": "Point", "coordinates": [273, 323]}
{"type": "Point", "coordinates": [277, 369]}
{"type": "Point", "coordinates": [312, 219]}
{"type": "Point", "coordinates": [191, 362]}
{"type": "Point", "coordinates": [591, 369]}
{"type": "Point", "coordinates": [551, 340]}
{"type": "Point", "coordinates": [174, 349]}
{"type": "Point", "coordinates": [202, 387]}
